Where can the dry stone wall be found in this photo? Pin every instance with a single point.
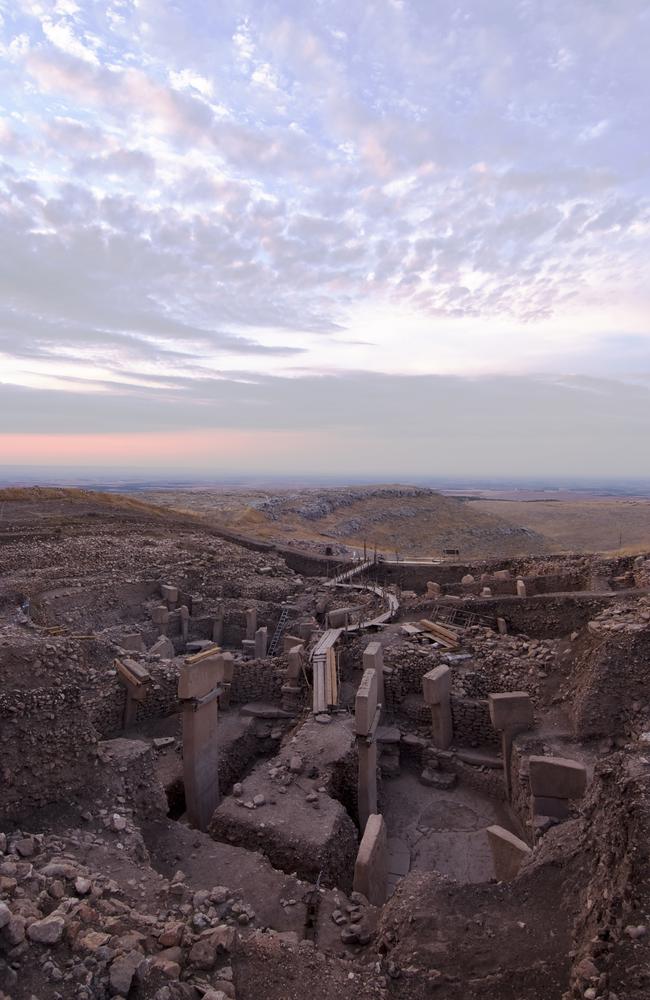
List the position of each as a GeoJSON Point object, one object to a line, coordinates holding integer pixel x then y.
{"type": "Point", "coordinates": [48, 749]}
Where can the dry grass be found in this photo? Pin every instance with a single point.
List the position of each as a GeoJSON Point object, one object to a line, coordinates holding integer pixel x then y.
{"type": "Point", "coordinates": [619, 526]}
{"type": "Point", "coordinates": [52, 494]}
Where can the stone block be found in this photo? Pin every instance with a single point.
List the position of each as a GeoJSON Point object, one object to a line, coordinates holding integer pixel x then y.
{"type": "Point", "coordinates": [169, 593]}
{"type": "Point", "coordinates": [511, 711]}
{"type": "Point", "coordinates": [436, 685]}
{"type": "Point", "coordinates": [557, 777]}
{"type": "Point", "coordinates": [371, 866]}
{"type": "Point", "coordinates": [508, 852]}
{"type": "Point", "coordinates": [340, 617]}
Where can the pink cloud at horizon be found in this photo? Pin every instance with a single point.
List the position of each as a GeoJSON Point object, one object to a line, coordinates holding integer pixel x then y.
{"type": "Point", "coordinates": [156, 449]}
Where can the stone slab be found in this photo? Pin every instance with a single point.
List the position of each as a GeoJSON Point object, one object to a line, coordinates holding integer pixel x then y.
{"type": "Point", "coordinates": [557, 777]}
{"type": "Point", "coordinates": [508, 852]}
{"type": "Point", "coordinates": [371, 866]}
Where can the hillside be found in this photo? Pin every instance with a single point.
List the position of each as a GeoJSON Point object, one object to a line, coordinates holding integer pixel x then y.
{"type": "Point", "coordinates": [593, 525]}
{"type": "Point", "coordinates": [407, 519]}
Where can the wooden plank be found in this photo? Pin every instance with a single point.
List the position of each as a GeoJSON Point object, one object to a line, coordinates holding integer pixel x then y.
{"type": "Point", "coordinates": [197, 657]}
{"type": "Point", "coordinates": [443, 635]}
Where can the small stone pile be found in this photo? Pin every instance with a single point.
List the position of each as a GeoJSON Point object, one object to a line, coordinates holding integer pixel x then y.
{"type": "Point", "coordinates": [70, 926]}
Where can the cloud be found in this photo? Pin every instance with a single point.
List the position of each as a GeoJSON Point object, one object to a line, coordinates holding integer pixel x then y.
{"type": "Point", "coordinates": [524, 425]}
{"type": "Point", "coordinates": [394, 187]}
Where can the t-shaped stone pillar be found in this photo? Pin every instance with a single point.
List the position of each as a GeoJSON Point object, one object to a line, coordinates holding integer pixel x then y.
{"type": "Point", "coordinates": [436, 688]}
{"type": "Point", "coordinates": [198, 691]}
{"type": "Point", "coordinates": [184, 613]}
{"type": "Point", "coordinates": [511, 713]}
{"type": "Point", "coordinates": [373, 659]}
{"type": "Point", "coordinates": [135, 679]}
{"type": "Point", "coordinates": [553, 782]}
{"type": "Point", "coordinates": [365, 722]}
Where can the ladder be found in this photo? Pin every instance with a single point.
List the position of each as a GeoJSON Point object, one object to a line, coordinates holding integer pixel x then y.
{"type": "Point", "coordinates": [279, 631]}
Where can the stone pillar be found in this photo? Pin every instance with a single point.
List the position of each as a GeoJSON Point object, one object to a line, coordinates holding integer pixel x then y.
{"type": "Point", "coordinates": [554, 781]}
{"type": "Point", "coordinates": [365, 708]}
{"type": "Point", "coordinates": [217, 626]}
{"type": "Point", "coordinates": [511, 713]}
{"type": "Point", "coordinates": [184, 612]}
{"type": "Point", "coordinates": [502, 626]}
{"type": "Point", "coordinates": [508, 852]}
{"type": "Point", "coordinates": [521, 588]}
{"type": "Point", "coordinates": [198, 681]}
{"type": "Point", "coordinates": [135, 679]}
{"type": "Point", "coordinates": [295, 659]}
{"type": "Point", "coordinates": [436, 688]}
{"type": "Point", "coordinates": [289, 641]}
{"type": "Point", "coordinates": [169, 594]}
{"type": "Point", "coordinates": [251, 623]}
{"type": "Point", "coordinates": [225, 676]}
{"type": "Point", "coordinates": [160, 617]}
{"type": "Point", "coordinates": [371, 866]}
{"type": "Point", "coordinates": [373, 659]}
{"type": "Point", "coordinates": [433, 589]}
{"type": "Point", "coordinates": [261, 642]}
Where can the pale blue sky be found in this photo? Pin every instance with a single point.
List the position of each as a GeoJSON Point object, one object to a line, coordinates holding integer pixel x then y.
{"type": "Point", "coordinates": [212, 214]}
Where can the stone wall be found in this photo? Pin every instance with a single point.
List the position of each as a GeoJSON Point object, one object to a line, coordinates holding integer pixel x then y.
{"type": "Point", "coordinates": [408, 667]}
{"type": "Point", "coordinates": [48, 749]}
{"type": "Point", "coordinates": [610, 682]}
{"type": "Point", "coordinates": [545, 616]}
{"type": "Point", "coordinates": [472, 725]}
{"type": "Point", "coordinates": [256, 680]}
{"type": "Point", "coordinates": [616, 896]}
{"type": "Point", "coordinates": [105, 701]}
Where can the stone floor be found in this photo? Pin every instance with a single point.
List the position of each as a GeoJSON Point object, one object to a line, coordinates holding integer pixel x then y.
{"type": "Point", "coordinates": [437, 830]}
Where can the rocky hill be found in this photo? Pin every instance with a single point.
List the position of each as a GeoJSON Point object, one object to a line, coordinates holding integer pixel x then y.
{"type": "Point", "coordinates": [411, 520]}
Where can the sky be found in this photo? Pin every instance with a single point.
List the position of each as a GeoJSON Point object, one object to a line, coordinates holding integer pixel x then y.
{"type": "Point", "coordinates": [381, 238]}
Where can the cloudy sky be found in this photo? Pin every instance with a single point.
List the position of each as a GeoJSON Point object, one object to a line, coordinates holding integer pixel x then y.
{"type": "Point", "coordinates": [381, 237]}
